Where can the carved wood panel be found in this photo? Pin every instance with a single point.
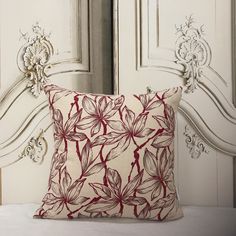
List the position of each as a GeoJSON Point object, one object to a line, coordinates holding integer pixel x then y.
{"type": "Point", "coordinates": [192, 49]}
{"type": "Point", "coordinates": [170, 43]}
{"type": "Point", "coordinates": [67, 42]}
{"type": "Point", "coordinates": [61, 48]}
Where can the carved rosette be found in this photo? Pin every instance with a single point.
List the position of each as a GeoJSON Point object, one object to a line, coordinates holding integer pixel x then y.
{"type": "Point", "coordinates": [195, 145]}
{"type": "Point", "coordinates": [34, 57]}
{"type": "Point", "coordinates": [193, 52]}
{"type": "Point", "coordinates": [36, 149]}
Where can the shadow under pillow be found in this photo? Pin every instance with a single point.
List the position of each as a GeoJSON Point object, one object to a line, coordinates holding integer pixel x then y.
{"type": "Point", "coordinates": [114, 156]}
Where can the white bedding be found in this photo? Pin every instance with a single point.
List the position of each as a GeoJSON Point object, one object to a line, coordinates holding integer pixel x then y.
{"type": "Point", "coordinates": [16, 220]}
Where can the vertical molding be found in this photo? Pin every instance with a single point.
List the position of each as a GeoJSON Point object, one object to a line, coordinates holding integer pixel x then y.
{"type": "Point", "coordinates": [233, 8]}
{"type": "Point", "coordinates": [116, 46]}
{"type": "Point", "coordinates": [107, 45]}
{"type": "Point", "coordinates": [158, 23]}
{"type": "Point", "coordinates": [0, 49]}
{"type": "Point", "coordinates": [177, 154]}
{"type": "Point", "coordinates": [0, 186]}
{"type": "Point", "coordinates": [78, 13]}
{"type": "Point", "coordinates": [234, 172]}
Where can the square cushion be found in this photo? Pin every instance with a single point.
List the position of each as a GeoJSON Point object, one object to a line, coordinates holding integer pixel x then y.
{"type": "Point", "coordinates": [114, 156]}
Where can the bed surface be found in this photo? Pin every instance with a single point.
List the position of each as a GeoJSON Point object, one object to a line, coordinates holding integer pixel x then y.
{"type": "Point", "coordinates": [17, 220]}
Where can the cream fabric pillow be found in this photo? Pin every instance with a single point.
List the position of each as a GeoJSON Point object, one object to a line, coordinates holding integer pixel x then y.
{"type": "Point", "coordinates": [114, 156]}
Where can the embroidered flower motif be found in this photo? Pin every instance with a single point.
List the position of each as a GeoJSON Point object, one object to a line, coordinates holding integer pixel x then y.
{"type": "Point", "coordinates": [58, 162]}
{"type": "Point", "coordinates": [160, 168]}
{"type": "Point", "coordinates": [168, 124]}
{"type": "Point", "coordinates": [113, 195]}
{"type": "Point", "coordinates": [149, 101]}
{"type": "Point", "coordinates": [124, 131]}
{"type": "Point", "coordinates": [66, 131]}
{"type": "Point", "coordinates": [99, 112]}
{"type": "Point", "coordinates": [87, 160]}
{"type": "Point", "coordinates": [64, 193]}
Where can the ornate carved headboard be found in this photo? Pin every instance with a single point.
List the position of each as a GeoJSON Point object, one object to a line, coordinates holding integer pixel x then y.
{"type": "Point", "coordinates": [71, 49]}
{"type": "Point", "coordinates": [190, 43]}
{"type": "Point", "coordinates": [147, 52]}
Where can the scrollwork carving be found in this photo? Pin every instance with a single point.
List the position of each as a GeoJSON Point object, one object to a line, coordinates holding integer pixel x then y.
{"type": "Point", "coordinates": [194, 143]}
{"type": "Point", "coordinates": [193, 52]}
{"type": "Point", "coordinates": [34, 57]}
{"type": "Point", "coordinates": [36, 149]}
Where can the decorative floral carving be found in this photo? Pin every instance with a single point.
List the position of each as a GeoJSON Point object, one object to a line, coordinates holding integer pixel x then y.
{"type": "Point", "coordinates": [194, 143]}
{"type": "Point", "coordinates": [36, 149]}
{"type": "Point", "coordinates": [33, 58]}
{"type": "Point", "coordinates": [193, 52]}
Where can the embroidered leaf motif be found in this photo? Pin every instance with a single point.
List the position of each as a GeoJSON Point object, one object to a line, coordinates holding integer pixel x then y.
{"type": "Point", "coordinates": [58, 162]}
{"type": "Point", "coordinates": [119, 148]}
{"type": "Point", "coordinates": [112, 195]}
{"type": "Point", "coordinates": [166, 138]}
{"type": "Point", "coordinates": [94, 169]}
{"type": "Point", "coordinates": [86, 156]}
{"type": "Point", "coordinates": [161, 171]}
{"type": "Point", "coordinates": [101, 206]}
{"type": "Point", "coordinates": [67, 192]}
{"type": "Point", "coordinates": [164, 202]}
{"type": "Point", "coordinates": [133, 185]}
{"type": "Point", "coordinates": [125, 131]}
{"type": "Point", "coordinates": [114, 179]}
{"type": "Point", "coordinates": [66, 132]}
{"type": "Point", "coordinates": [145, 212]}
{"type": "Point", "coordinates": [102, 190]}
{"type": "Point", "coordinates": [149, 101]}
{"type": "Point", "coordinates": [99, 112]}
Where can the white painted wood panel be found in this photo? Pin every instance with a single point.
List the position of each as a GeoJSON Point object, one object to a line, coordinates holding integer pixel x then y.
{"type": "Point", "coordinates": [225, 180]}
{"type": "Point", "coordinates": [66, 42]}
{"type": "Point", "coordinates": [159, 19]}
{"type": "Point", "coordinates": [205, 175]}
{"type": "Point", "coordinates": [154, 49]}
{"type": "Point", "coordinates": [145, 55]}
{"type": "Point", "coordinates": [26, 181]}
{"type": "Point", "coordinates": [17, 19]}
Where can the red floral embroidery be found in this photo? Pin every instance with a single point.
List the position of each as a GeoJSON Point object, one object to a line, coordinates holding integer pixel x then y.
{"type": "Point", "coordinates": [99, 112]}
{"type": "Point", "coordinates": [64, 132]}
{"type": "Point", "coordinates": [124, 131]}
{"type": "Point", "coordinates": [112, 195]}
{"type": "Point", "coordinates": [114, 156]}
{"type": "Point", "coordinates": [160, 168]}
{"type": "Point", "coordinates": [64, 193]}
{"type": "Point", "coordinates": [167, 122]}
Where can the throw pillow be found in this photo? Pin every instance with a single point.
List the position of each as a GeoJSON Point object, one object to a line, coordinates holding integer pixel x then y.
{"type": "Point", "coordinates": [114, 156]}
